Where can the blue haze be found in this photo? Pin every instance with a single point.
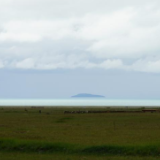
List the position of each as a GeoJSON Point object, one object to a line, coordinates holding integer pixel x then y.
{"type": "Point", "coordinates": [32, 84]}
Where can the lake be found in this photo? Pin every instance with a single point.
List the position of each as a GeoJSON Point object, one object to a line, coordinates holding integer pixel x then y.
{"type": "Point", "coordinates": [80, 102]}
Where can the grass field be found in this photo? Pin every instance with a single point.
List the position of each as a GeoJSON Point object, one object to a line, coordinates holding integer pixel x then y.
{"type": "Point", "coordinates": [51, 134]}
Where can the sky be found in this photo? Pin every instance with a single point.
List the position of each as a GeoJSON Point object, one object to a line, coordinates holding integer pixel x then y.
{"type": "Point", "coordinates": [59, 48]}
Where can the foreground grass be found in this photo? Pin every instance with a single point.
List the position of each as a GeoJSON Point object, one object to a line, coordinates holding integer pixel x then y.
{"type": "Point", "coordinates": [52, 125]}
{"type": "Point", "coordinates": [35, 156]}
{"type": "Point", "coordinates": [51, 133]}
{"type": "Point", "coordinates": [46, 147]}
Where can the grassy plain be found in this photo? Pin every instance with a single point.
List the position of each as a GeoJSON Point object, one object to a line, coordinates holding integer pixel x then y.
{"type": "Point", "coordinates": [51, 134]}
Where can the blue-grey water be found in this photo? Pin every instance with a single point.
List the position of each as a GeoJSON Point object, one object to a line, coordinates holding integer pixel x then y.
{"type": "Point", "coordinates": [79, 102]}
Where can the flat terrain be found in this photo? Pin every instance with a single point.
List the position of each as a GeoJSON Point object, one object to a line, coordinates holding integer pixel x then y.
{"type": "Point", "coordinates": [48, 133]}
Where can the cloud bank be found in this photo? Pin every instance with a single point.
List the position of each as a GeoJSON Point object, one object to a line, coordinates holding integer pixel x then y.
{"type": "Point", "coordinates": [65, 34]}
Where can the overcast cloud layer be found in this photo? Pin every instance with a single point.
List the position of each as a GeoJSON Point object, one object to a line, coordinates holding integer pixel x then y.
{"type": "Point", "coordinates": [69, 34]}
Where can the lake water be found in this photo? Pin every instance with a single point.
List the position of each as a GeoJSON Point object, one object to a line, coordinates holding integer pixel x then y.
{"type": "Point", "coordinates": [79, 102]}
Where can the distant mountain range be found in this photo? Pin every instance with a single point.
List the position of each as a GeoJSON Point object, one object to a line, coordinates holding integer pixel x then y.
{"type": "Point", "coordinates": [86, 95]}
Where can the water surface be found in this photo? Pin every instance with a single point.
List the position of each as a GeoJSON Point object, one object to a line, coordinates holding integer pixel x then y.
{"type": "Point", "coordinates": [79, 102]}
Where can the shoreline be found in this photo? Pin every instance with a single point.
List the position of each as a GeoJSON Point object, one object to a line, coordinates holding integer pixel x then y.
{"type": "Point", "coordinates": [78, 106]}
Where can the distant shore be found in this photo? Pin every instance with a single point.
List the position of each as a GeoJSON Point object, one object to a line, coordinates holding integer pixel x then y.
{"type": "Point", "coordinates": [81, 107]}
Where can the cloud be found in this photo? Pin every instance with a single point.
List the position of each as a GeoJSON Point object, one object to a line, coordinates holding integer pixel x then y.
{"type": "Point", "coordinates": [25, 64]}
{"type": "Point", "coordinates": [112, 64]}
{"type": "Point", "coordinates": [1, 65]}
{"type": "Point", "coordinates": [86, 34]}
{"type": "Point", "coordinates": [33, 31]}
{"type": "Point", "coordinates": [147, 65]}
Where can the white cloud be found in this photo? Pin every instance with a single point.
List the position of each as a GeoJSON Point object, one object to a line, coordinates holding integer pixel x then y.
{"type": "Point", "coordinates": [87, 34]}
{"type": "Point", "coordinates": [32, 31]}
{"type": "Point", "coordinates": [25, 64]}
{"type": "Point", "coordinates": [147, 65]}
{"type": "Point", "coordinates": [112, 64]}
{"type": "Point", "coordinates": [104, 26]}
{"type": "Point", "coordinates": [1, 64]}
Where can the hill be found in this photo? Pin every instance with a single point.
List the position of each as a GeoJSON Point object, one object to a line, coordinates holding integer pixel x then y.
{"type": "Point", "coordinates": [86, 95]}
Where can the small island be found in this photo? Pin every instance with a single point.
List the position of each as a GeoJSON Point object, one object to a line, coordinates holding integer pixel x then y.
{"type": "Point", "coordinates": [87, 95]}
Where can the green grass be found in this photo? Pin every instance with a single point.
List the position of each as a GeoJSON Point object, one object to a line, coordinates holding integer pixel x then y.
{"type": "Point", "coordinates": [51, 132]}
{"type": "Point", "coordinates": [46, 147]}
{"type": "Point", "coordinates": [35, 156]}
